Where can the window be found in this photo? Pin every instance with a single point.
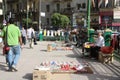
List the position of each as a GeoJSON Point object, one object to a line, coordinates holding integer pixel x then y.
{"type": "Point", "coordinates": [78, 6]}
{"type": "Point", "coordinates": [68, 5]}
{"type": "Point", "coordinates": [58, 7]}
{"type": "Point", "coordinates": [48, 21]}
{"type": "Point", "coordinates": [117, 3]}
{"type": "Point", "coordinates": [83, 5]}
{"type": "Point", "coordinates": [17, 6]}
{"type": "Point", "coordinates": [48, 8]}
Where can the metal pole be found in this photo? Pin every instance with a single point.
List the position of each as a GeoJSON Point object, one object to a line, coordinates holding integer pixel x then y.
{"type": "Point", "coordinates": [88, 16]}
{"type": "Point", "coordinates": [27, 14]}
{"type": "Point", "coordinates": [4, 9]}
{"type": "Point", "coordinates": [40, 14]}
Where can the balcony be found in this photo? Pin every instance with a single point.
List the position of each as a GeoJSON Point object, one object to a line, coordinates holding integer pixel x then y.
{"type": "Point", "coordinates": [62, 0]}
{"type": "Point", "coordinates": [68, 10]}
{"type": "Point", "coordinates": [57, 1]}
{"type": "Point", "coordinates": [67, 0]}
{"type": "Point", "coordinates": [9, 1]}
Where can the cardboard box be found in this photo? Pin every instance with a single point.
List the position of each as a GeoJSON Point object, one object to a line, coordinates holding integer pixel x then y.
{"type": "Point", "coordinates": [47, 75]}
{"type": "Point", "coordinates": [41, 75]}
{"type": "Point", "coordinates": [105, 58]}
{"type": "Point", "coordinates": [64, 76]}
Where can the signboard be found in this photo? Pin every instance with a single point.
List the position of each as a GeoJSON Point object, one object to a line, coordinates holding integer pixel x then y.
{"type": "Point", "coordinates": [43, 14]}
{"type": "Point", "coordinates": [1, 12]}
{"type": "Point", "coordinates": [116, 14]}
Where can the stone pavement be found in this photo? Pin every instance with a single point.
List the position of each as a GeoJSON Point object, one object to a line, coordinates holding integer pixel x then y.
{"type": "Point", "coordinates": [30, 58]}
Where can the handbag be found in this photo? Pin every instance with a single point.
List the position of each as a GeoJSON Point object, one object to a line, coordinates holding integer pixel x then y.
{"type": "Point", "coordinates": [6, 48]}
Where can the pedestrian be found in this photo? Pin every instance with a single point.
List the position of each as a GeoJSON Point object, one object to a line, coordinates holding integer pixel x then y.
{"type": "Point", "coordinates": [24, 35]}
{"type": "Point", "coordinates": [14, 42]}
{"type": "Point", "coordinates": [30, 35]}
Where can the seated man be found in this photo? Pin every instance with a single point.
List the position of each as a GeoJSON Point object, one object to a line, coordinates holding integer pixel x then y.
{"type": "Point", "coordinates": [94, 49]}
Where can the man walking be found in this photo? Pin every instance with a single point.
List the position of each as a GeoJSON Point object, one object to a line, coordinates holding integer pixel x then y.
{"type": "Point", "coordinates": [14, 41]}
{"type": "Point", "coordinates": [30, 35]}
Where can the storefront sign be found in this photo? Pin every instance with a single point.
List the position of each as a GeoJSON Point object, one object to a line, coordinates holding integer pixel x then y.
{"type": "Point", "coordinates": [116, 14]}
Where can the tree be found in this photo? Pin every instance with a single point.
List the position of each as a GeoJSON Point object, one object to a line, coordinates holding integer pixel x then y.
{"type": "Point", "coordinates": [55, 18]}
{"type": "Point", "coordinates": [59, 20]}
{"type": "Point", "coordinates": [24, 20]}
{"type": "Point", "coordinates": [64, 21]}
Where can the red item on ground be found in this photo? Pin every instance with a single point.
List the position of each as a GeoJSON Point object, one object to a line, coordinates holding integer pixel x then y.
{"type": "Point", "coordinates": [65, 67]}
{"type": "Point", "coordinates": [107, 49]}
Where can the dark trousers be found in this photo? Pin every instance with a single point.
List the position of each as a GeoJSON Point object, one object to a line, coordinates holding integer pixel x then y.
{"type": "Point", "coordinates": [94, 51]}
{"type": "Point", "coordinates": [24, 40]}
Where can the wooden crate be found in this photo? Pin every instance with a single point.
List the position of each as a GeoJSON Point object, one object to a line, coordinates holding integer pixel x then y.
{"type": "Point", "coordinates": [105, 58]}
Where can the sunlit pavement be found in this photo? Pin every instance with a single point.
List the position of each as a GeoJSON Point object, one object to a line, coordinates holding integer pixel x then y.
{"type": "Point", "coordinates": [30, 58]}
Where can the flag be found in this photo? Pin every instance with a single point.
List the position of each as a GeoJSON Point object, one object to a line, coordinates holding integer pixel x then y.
{"type": "Point", "coordinates": [106, 2]}
{"type": "Point", "coordinates": [99, 3]}
{"type": "Point", "coordinates": [93, 3]}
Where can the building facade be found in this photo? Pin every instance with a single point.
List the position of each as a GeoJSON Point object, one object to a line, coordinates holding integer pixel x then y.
{"type": "Point", "coordinates": [107, 14]}
{"type": "Point", "coordinates": [20, 9]}
{"type": "Point", "coordinates": [104, 13]}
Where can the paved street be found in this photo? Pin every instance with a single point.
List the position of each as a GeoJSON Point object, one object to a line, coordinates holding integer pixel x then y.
{"type": "Point", "coordinates": [33, 57]}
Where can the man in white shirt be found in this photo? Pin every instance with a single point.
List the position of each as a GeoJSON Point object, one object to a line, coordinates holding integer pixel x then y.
{"type": "Point", "coordinates": [96, 47]}
{"type": "Point", "coordinates": [30, 35]}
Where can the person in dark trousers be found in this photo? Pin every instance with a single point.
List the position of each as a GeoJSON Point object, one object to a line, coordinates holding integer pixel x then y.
{"type": "Point", "coordinates": [24, 35]}
{"type": "Point", "coordinates": [96, 47]}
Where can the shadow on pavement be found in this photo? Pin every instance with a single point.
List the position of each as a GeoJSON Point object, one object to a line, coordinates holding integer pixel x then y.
{"type": "Point", "coordinates": [28, 76]}
{"type": "Point", "coordinates": [101, 71]}
{"type": "Point", "coordinates": [3, 66]}
{"type": "Point", "coordinates": [44, 50]}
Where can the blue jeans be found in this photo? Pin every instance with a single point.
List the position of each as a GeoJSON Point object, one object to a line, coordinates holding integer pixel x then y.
{"type": "Point", "coordinates": [13, 55]}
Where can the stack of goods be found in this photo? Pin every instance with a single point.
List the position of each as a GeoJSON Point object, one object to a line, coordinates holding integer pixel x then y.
{"type": "Point", "coordinates": [65, 67]}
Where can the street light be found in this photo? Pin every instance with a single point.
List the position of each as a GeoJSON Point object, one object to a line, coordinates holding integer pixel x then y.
{"type": "Point", "coordinates": [40, 14]}
{"type": "Point", "coordinates": [4, 9]}
{"type": "Point", "coordinates": [27, 13]}
{"type": "Point", "coordinates": [88, 15]}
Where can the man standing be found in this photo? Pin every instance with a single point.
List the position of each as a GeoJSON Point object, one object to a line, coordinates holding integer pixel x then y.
{"type": "Point", "coordinates": [24, 35]}
{"type": "Point", "coordinates": [14, 41]}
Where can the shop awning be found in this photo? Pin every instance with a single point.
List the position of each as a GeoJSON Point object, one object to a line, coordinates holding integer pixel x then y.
{"type": "Point", "coordinates": [112, 24]}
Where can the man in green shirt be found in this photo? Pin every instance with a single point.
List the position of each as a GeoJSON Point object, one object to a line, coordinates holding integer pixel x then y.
{"type": "Point", "coordinates": [14, 41]}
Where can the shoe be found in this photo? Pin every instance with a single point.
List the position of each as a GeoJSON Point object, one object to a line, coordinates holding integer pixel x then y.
{"type": "Point", "coordinates": [9, 70]}
{"type": "Point", "coordinates": [14, 68]}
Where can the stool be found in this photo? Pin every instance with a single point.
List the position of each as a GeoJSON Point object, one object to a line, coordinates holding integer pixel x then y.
{"type": "Point", "coordinates": [105, 58]}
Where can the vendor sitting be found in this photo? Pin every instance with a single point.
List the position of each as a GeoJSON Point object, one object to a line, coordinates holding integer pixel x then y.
{"type": "Point", "coordinates": [94, 49]}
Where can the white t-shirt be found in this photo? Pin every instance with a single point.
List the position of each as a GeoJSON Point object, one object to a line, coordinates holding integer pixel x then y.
{"type": "Point", "coordinates": [29, 32]}
{"type": "Point", "coordinates": [100, 41]}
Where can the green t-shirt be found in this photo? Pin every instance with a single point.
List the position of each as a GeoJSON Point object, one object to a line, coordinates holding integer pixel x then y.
{"type": "Point", "coordinates": [13, 34]}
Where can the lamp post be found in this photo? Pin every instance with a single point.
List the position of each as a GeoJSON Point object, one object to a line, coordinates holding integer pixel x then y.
{"type": "Point", "coordinates": [4, 9]}
{"type": "Point", "coordinates": [27, 14]}
{"type": "Point", "coordinates": [40, 14]}
{"type": "Point", "coordinates": [88, 16]}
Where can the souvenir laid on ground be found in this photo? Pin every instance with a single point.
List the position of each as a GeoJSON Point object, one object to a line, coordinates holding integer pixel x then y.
{"type": "Point", "coordinates": [65, 67]}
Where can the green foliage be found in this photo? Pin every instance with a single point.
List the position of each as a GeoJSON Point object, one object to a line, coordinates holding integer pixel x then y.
{"type": "Point", "coordinates": [1, 26]}
{"type": "Point", "coordinates": [25, 20]}
{"type": "Point", "coordinates": [59, 20]}
{"type": "Point", "coordinates": [64, 21]}
{"type": "Point", "coordinates": [55, 19]}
